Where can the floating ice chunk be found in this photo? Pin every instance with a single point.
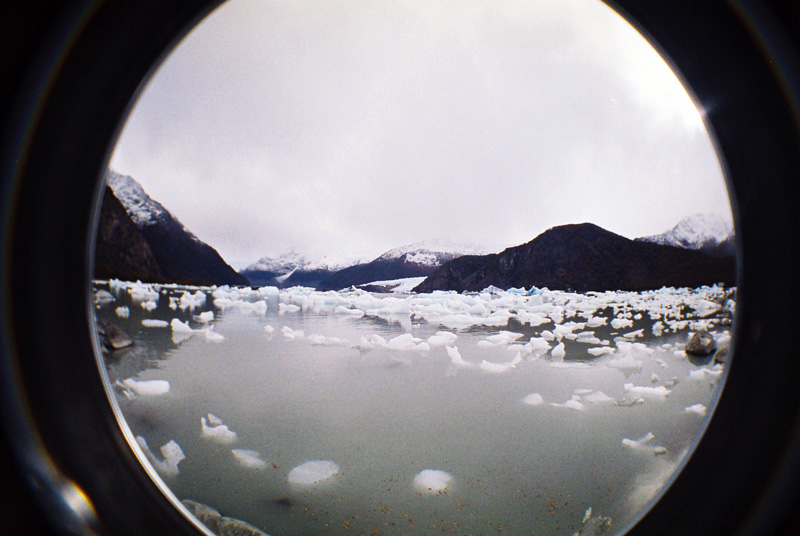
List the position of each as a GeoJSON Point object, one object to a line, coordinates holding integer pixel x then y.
{"type": "Point", "coordinates": [619, 323]}
{"type": "Point", "coordinates": [432, 480]}
{"type": "Point", "coordinates": [292, 334]}
{"type": "Point", "coordinates": [633, 334]}
{"type": "Point", "coordinates": [442, 338]}
{"type": "Point", "coordinates": [558, 352]}
{"type": "Point", "coordinates": [596, 321]}
{"type": "Point", "coordinates": [597, 397]}
{"type": "Point", "coordinates": [284, 308]}
{"type": "Point", "coordinates": [625, 362]}
{"type": "Point", "coordinates": [573, 403]}
{"type": "Point", "coordinates": [171, 456]}
{"type": "Point", "coordinates": [629, 401]}
{"type": "Point", "coordinates": [269, 329]}
{"type": "Point", "coordinates": [547, 335]}
{"type": "Point", "coordinates": [149, 305]}
{"type": "Point", "coordinates": [534, 399]}
{"type": "Point", "coordinates": [154, 323]}
{"type": "Point", "coordinates": [699, 409]}
{"type": "Point", "coordinates": [706, 373]}
{"type": "Point", "coordinates": [455, 357]}
{"type": "Point", "coordinates": [501, 367]}
{"type": "Point", "coordinates": [204, 317]}
{"type": "Point", "coordinates": [587, 515]}
{"type": "Point", "coordinates": [123, 311]}
{"type": "Point", "coordinates": [146, 387]}
{"type": "Point", "coordinates": [647, 392]}
{"type": "Point", "coordinates": [601, 350]}
{"type": "Point", "coordinates": [504, 337]}
{"type": "Point", "coordinates": [212, 336]}
{"type": "Point", "coordinates": [103, 297]}
{"type": "Point", "coordinates": [249, 458]}
{"type": "Point", "coordinates": [214, 429]}
{"type": "Point", "coordinates": [407, 341]}
{"type": "Point", "coordinates": [180, 327]}
{"type": "Point", "coordinates": [191, 301]}
{"type": "Point", "coordinates": [313, 472]}
{"type": "Point", "coordinates": [537, 345]}
{"type": "Point", "coordinates": [342, 310]}
{"type": "Point", "coordinates": [638, 443]}
{"type": "Point", "coordinates": [322, 340]}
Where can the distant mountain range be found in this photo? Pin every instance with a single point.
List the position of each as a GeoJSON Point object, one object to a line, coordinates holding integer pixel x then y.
{"type": "Point", "coordinates": [583, 257]}
{"type": "Point", "coordinates": [710, 233]}
{"type": "Point", "coordinates": [139, 239]}
{"type": "Point", "coordinates": [162, 250]}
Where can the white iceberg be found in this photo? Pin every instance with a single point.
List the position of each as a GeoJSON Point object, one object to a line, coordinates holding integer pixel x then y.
{"type": "Point", "coordinates": [171, 454]}
{"type": "Point", "coordinates": [249, 458]}
{"type": "Point", "coordinates": [313, 472]}
{"type": "Point", "coordinates": [432, 480]}
{"type": "Point", "coordinates": [213, 428]}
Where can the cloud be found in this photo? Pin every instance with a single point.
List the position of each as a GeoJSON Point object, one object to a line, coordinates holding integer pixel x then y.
{"type": "Point", "coordinates": [350, 127]}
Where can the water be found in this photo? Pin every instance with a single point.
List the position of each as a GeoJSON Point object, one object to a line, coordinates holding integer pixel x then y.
{"type": "Point", "coordinates": [384, 415]}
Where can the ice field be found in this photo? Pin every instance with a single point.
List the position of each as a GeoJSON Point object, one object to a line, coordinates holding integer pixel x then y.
{"type": "Point", "coordinates": [505, 411]}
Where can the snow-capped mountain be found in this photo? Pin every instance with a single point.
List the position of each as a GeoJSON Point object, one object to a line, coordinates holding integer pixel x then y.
{"type": "Point", "coordinates": [710, 233]}
{"type": "Point", "coordinates": [433, 252]}
{"type": "Point", "coordinates": [412, 260]}
{"type": "Point", "coordinates": [294, 268]}
{"type": "Point", "coordinates": [181, 256]}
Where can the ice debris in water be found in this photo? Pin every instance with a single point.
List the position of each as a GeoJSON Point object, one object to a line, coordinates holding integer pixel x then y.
{"type": "Point", "coordinates": [205, 317]}
{"type": "Point", "coordinates": [249, 458]}
{"type": "Point", "coordinates": [455, 357]}
{"type": "Point", "coordinates": [501, 367]}
{"type": "Point", "coordinates": [284, 308]}
{"type": "Point", "coordinates": [699, 409]}
{"type": "Point", "coordinates": [432, 480]}
{"type": "Point", "coordinates": [573, 403]}
{"type": "Point", "coordinates": [192, 301]}
{"type": "Point", "coordinates": [171, 456]}
{"type": "Point", "coordinates": [103, 297]}
{"type": "Point", "coordinates": [123, 311]}
{"type": "Point", "coordinates": [313, 472]}
{"type": "Point", "coordinates": [705, 373]}
{"type": "Point", "coordinates": [407, 341]}
{"type": "Point", "coordinates": [442, 338]}
{"type": "Point", "coordinates": [292, 334]}
{"type": "Point", "coordinates": [154, 323]}
{"type": "Point", "coordinates": [214, 429]}
{"type": "Point", "coordinates": [144, 387]}
{"type": "Point", "coordinates": [643, 443]}
{"type": "Point", "coordinates": [534, 399]}
{"type": "Point", "coordinates": [647, 392]}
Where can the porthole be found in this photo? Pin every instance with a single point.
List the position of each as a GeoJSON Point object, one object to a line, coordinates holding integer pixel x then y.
{"type": "Point", "coordinates": [86, 461]}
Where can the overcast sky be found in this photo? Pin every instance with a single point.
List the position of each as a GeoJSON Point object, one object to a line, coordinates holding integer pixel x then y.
{"type": "Point", "coordinates": [349, 127]}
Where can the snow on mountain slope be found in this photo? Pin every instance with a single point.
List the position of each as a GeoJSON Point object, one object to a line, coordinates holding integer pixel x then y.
{"type": "Point", "coordinates": [292, 261]}
{"type": "Point", "coordinates": [704, 232]}
{"type": "Point", "coordinates": [142, 209]}
{"type": "Point", "coordinates": [433, 252]}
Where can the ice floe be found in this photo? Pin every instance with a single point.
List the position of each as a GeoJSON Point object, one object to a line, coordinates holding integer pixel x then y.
{"type": "Point", "coordinates": [313, 472]}
{"type": "Point", "coordinates": [249, 458]}
{"type": "Point", "coordinates": [455, 357]}
{"type": "Point", "coordinates": [213, 428]}
{"type": "Point", "coordinates": [154, 323]}
{"type": "Point", "coordinates": [171, 456]}
{"type": "Point", "coordinates": [144, 387]}
{"type": "Point", "coordinates": [432, 480]}
{"type": "Point", "coordinates": [534, 399]}
{"type": "Point", "coordinates": [490, 366]}
{"type": "Point", "coordinates": [698, 409]}
{"type": "Point", "coordinates": [657, 392]}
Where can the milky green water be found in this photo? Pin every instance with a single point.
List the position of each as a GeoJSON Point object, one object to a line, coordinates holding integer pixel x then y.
{"type": "Point", "coordinates": [384, 415]}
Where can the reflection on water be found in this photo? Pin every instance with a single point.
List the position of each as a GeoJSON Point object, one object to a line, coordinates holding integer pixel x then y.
{"type": "Point", "coordinates": [511, 412]}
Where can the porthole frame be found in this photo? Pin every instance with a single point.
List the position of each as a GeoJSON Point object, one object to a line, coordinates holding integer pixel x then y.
{"type": "Point", "coordinates": [83, 65]}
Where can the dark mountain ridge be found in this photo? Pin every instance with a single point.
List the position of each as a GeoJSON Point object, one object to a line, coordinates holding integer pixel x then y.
{"type": "Point", "coordinates": [169, 252]}
{"type": "Point", "coordinates": [582, 257]}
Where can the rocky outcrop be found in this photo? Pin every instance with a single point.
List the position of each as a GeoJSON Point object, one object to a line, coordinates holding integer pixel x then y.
{"type": "Point", "coordinates": [582, 257]}
{"type": "Point", "coordinates": [701, 343]}
{"type": "Point", "coordinates": [219, 524]}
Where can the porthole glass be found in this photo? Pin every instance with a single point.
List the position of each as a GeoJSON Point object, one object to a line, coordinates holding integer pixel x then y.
{"type": "Point", "coordinates": [414, 267]}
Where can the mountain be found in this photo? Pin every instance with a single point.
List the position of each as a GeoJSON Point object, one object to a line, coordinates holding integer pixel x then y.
{"type": "Point", "coordinates": [181, 257]}
{"type": "Point", "coordinates": [710, 233]}
{"type": "Point", "coordinates": [120, 249]}
{"type": "Point", "coordinates": [413, 260]}
{"type": "Point", "coordinates": [582, 257]}
{"type": "Point", "coordinates": [294, 269]}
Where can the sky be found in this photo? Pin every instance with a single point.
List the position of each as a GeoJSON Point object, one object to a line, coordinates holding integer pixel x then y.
{"type": "Point", "coordinates": [350, 127]}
